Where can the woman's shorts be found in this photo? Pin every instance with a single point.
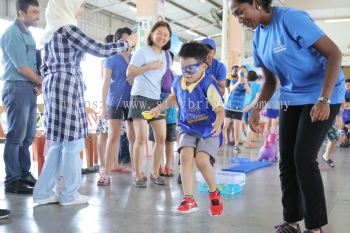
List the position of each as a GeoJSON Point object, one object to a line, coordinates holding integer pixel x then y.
{"type": "Point", "coordinates": [170, 133]}
{"type": "Point", "coordinates": [102, 126]}
{"type": "Point", "coordinates": [118, 113]}
{"type": "Point", "coordinates": [233, 114]}
{"type": "Point", "coordinates": [332, 133]}
{"type": "Point", "coordinates": [272, 113]}
{"type": "Point", "coordinates": [139, 104]}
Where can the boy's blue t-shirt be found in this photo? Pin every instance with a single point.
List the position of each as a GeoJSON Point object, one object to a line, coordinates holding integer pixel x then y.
{"type": "Point", "coordinates": [217, 70]}
{"type": "Point", "coordinates": [284, 48]}
{"type": "Point", "coordinates": [235, 101]}
{"type": "Point", "coordinates": [255, 88]}
{"type": "Point", "coordinates": [119, 89]}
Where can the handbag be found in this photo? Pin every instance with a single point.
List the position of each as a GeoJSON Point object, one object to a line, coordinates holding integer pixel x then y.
{"type": "Point", "coordinates": [168, 77]}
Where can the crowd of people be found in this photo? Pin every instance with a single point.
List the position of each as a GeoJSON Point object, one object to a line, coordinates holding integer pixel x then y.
{"type": "Point", "coordinates": [301, 92]}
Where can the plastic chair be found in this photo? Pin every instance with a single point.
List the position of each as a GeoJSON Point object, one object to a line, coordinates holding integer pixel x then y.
{"type": "Point", "coordinates": [91, 140]}
{"type": "Point", "coordinates": [39, 142]}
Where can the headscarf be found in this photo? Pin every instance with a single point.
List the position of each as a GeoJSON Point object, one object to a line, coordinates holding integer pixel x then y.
{"type": "Point", "coordinates": [60, 13]}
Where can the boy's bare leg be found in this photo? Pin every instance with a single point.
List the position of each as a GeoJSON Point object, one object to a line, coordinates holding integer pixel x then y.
{"type": "Point", "coordinates": [203, 164]}
{"type": "Point", "coordinates": [186, 169]}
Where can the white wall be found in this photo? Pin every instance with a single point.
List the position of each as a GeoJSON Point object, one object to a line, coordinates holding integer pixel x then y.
{"type": "Point", "coordinates": [340, 34]}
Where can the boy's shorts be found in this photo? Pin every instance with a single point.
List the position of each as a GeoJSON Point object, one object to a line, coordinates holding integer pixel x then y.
{"type": "Point", "coordinates": [332, 133]}
{"type": "Point", "coordinates": [272, 113]}
{"type": "Point", "coordinates": [207, 145]}
{"type": "Point", "coordinates": [170, 133]}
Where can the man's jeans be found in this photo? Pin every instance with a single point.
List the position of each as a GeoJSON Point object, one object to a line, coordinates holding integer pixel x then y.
{"type": "Point", "coordinates": [20, 103]}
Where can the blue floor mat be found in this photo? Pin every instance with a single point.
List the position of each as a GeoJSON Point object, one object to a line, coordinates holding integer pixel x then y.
{"type": "Point", "coordinates": [248, 166]}
{"type": "Point", "coordinates": [239, 160]}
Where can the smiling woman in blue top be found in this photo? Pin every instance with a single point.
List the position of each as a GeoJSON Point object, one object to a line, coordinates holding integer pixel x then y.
{"type": "Point", "coordinates": [289, 44]}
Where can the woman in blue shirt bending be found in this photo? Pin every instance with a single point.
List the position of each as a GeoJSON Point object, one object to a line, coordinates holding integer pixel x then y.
{"type": "Point", "coordinates": [287, 43]}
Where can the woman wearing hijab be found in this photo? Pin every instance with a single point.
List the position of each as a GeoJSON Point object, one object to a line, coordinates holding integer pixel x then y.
{"type": "Point", "coordinates": [65, 120]}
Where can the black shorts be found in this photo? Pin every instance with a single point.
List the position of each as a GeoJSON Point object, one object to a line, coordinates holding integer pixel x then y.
{"type": "Point", "coordinates": [170, 133]}
{"type": "Point", "coordinates": [118, 113]}
{"type": "Point", "coordinates": [233, 114]}
{"type": "Point", "coordinates": [139, 104]}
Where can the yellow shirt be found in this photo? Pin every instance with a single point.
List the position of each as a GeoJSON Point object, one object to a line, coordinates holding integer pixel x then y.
{"type": "Point", "coordinates": [213, 95]}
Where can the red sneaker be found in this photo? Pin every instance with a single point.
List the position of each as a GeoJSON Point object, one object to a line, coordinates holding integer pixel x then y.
{"type": "Point", "coordinates": [188, 205]}
{"type": "Point", "coordinates": [216, 207]}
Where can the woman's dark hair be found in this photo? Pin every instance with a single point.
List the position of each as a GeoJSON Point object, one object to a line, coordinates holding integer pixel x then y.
{"type": "Point", "coordinates": [194, 50]}
{"type": "Point", "coordinates": [172, 56]}
{"type": "Point", "coordinates": [119, 33]}
{"type": "Point", "coordinates": [109, 38]}
{"type": "Point", "coordinates": [155, 26]}
{"type": "Point", "coordinates": [265, 4]}
{"type": "Point", "coordinates": [22, 5]}
{"type": "Point", "coordinates": [252, 76]}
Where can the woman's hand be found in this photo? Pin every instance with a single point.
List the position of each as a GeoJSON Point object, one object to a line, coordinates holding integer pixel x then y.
{"type": "Point", "coordinates": [320, 112]}
{"type": "Point", "coordinates": [240, 79]}
{"type": "Point", "coordinates": [155, 112]}
{"type": "Point", "coordinates": [37, 90]}
{"type": "Point", "coordinates": [254, 121]}
{"type": "Point", "coordinates": [156, 65]}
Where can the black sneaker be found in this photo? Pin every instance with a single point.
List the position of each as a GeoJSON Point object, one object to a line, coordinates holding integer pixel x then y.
{"type": "Point", "coordinates": [29, 180]}
{"type": "Point", "coordinates": [286, 228]}
{"type": "Point", "coordinates": [329, 162]}
{"type": "Point", "coordinates": [4, 213]}
{"type": "Point", "coordinates": [18, 187]}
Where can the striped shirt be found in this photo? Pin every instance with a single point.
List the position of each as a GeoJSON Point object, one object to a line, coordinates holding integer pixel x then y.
{"type": "Point", "coordinates": [63, 88]}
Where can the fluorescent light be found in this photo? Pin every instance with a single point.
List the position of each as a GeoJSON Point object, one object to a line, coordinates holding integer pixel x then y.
{"type": "Point", "coordinates": [132, 8]}
{"type": "Point", "coordinates": [191, 32]}
{"type": "Point", "coordinates": [202, 0]}
{"type": "Point", "coordinates": [340, 20]}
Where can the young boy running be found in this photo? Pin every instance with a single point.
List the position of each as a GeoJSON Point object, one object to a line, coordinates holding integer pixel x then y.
{"type": "Point", "coordinates": [200, 118]}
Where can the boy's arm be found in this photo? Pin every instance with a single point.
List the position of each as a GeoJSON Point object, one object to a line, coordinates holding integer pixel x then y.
{"type": "Point", "coordinates": [170, 101]}
{"type": "Point", "coordinates": [216, 102]}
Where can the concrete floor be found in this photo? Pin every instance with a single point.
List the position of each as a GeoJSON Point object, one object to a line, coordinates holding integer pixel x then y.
{"type": "Point", "coordinates": [126, 209]}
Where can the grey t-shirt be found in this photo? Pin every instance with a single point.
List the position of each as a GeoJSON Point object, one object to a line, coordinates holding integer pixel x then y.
{"type": "Point", "coordinates": [149, 83]}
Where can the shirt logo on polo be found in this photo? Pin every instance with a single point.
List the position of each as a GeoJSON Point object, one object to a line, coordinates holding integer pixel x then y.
{"type": "Point", "coordinates": [279, 47]}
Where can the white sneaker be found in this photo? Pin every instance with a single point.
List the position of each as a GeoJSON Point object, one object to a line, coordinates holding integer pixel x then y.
{"type": "Point", "coordinates": [52, 199]}
{"type": "Point", "coordinates": [59, 184]}
{"type": "Point", "coordinates": [81, 199]}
